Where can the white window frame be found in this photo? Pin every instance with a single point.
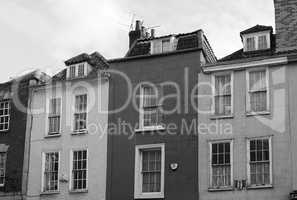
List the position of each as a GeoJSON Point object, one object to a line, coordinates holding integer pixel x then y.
{"type": "Point", "coordinates": [248, 161]}
{"type": "Point", "coordinates": [213, 81]}
{"type": "Point", "coordinates": [74, 112]}
{"type": "Point", "coordinates": [210, 162]}
{"type": "Point", "coordinates": [141, 111]}
{"type": "Point", "coordinates": [248, 99]}
{"type": "Point", "coordinates": [138, 194]}
{"type": "Point", "coordinates": [48, 115]}
{"type": "Point", "coordinates": [5, 165]}
{"type": "Point", "coordinates": [76, 66]}
{"type": "Point", "coordinates": [256, 38]}
{"type": "Point", "coordinates": [71, 169]}
{"type": "Point", "coordinates": [9, 114]}
{"type": "Point", "coordinates": [43, 170]}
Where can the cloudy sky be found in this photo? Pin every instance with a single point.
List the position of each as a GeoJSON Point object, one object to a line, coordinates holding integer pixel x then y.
{"type": "Point", "coordinates": [44, 33]}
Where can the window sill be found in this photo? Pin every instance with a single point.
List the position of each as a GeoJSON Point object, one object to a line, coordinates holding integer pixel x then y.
{"type": "Point", "coordinates": [257, 113]}
{"type": "Point", "coordinates": [50, 193]}
{"type": "Point", "coordinates": [79, 191]}
{"type": "Point", "coordinates": [53, 136]}
{"type": "Point", "coordinates": [149, 196]}
{"type": "Point", "coordinates": [213, 117]}
{"type": "Point", "coordinates": [255, 187]}
{"type": "Point", "coordinates": [151, 128]}
{"type": "Point", "coordinates": [80, 132]}
{"type": "Point", "coordinates": [222, 189]}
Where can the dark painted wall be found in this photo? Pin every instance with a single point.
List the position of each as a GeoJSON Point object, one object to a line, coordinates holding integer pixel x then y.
{"type": "Point", "coordinates": [181, 149]}
{"type": "Point", "coordinates": [15, 139]}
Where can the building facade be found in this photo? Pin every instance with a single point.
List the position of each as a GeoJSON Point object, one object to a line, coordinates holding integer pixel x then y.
{"type": "Point", "coordinates": [14, 97]}
{"type": "Point", "coordinates": [246, 116]}
{"type": "Point", "coordinates": [68, 140]}
{"type": "Point", "coordinates": [152, 145]}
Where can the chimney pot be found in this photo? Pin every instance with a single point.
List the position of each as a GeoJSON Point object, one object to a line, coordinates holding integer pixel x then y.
{"type": "Point", "coordinates": [138, 25]}
{"type": "Point", "coordinates": [152, 33]}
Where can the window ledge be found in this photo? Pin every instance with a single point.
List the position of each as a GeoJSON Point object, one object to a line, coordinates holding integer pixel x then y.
{"type": "Point", "coordinates": [80, 132]}
{"type": "Point", "coordinates": [257, 113]}
{"type": "Point", "coordinates": [149, 196]}
{"type": "Point", "coordinates": [221, 117]}
{"type": "Point", "coordinates": [53, 136]}
{"type": "Point", "coordinates": [151, 128]}
{"type": "Point", "coordinates": [79, 191]}
{"type": "Point", "coordinates": [254, 187]}
{"type": "Point", "coordinates": [220, 189]}
{"type": "Point", "coordinates": [50, 193]}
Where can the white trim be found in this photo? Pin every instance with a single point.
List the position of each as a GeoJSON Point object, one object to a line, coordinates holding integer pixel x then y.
{"type": "Point", "coordinates": [248, 105]}
{"type": "Point", "coordinates": [214, 91]}
{"type": "Point", "coordinates": [248, 162]}
{"type": "Point", "coordinates": [138, 194]}
{"type": "Point", "coordinates": [210, 162]}
{"type": "Point", "coordinates": [248, 64]}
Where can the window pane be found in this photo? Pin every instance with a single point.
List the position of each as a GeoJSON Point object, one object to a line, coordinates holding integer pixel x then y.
{"type": "Point", "coordinates": [259, 162]}
{"type": "Point", "coordinates": [81, 70]}
{"type": "Point", "coordinates": [262, 42]}
{"type": "Point", "coordinates": [51, 171]}
{"type": "Point", "coordinates": [165, 45]}
{"type": "Point", "coordinates": [72, 72]}
{"type": "Point", "coordinates": [151, 170]}
{"type": "Point", "coordinates": [221, 168]}
{"type": "Point", "coordinates": [151, 110]}
{"type": "Point", "coordinates": [4, 115]}
{"type": "Point", "coordinates": [80, 116]}
{"type": "Point", "coordinates": [250, 42]}
{"type": "Point", "coordinates": [79, 171]}
{"type": "Point", "coordinates": [223, 94]}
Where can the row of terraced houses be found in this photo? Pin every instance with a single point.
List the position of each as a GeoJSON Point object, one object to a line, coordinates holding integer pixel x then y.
{"type": "Point", "coordinates": [166, 121]}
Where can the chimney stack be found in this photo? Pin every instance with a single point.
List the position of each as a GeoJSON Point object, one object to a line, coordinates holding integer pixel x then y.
{"type": "Point", "coordinates": [152, 33]}
{"type": "Point", "coordinates": [286, 24]}
{"type": "Point", "coordinates": [137, 33]}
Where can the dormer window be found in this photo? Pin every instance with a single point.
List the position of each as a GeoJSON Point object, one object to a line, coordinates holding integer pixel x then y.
{"type": "Point", "coordinates": [77, 71]}
{"type": "Point", "coordinates": [250, 44]}
{"type": "Point", "coordinates": [72, 71]}
{"type": "Point", "coordinates": [262, 41]}
{"type": "Point", "coordinates": [165, 45]}
{"type": "Point", "coordinates": [81, 70]}
{"type": "Point", "coordinates": [256, 41]}
{"type": "Point", "coordinates": [162, 45]}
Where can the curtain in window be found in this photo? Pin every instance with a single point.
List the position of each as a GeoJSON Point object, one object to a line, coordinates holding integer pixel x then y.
{"type": "Point", "coordinates": [223, 94]}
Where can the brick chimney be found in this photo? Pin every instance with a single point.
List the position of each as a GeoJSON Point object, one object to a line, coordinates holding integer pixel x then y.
{"type": "Point", "coordinates": [136, 33]}
{"type": "Point", "coordinates": [286, 24]}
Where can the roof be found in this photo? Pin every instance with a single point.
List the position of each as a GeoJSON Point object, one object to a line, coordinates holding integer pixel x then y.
{"type": "Point", "coordinates": [33, 75]}
{"type": "Point", "coordinates": [257, 28]}
{"type": "Point", "coordinates": [96, 60]}
{"type": "Point", "coordinates": [185, 41]}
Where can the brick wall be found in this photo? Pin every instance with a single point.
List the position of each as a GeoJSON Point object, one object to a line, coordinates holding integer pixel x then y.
{"type": "Point", "coordinates": [286, 24]}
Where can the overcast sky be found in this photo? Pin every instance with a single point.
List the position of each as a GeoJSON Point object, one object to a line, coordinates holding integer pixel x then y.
{"type": "Point", "coordinates": [44, 33]}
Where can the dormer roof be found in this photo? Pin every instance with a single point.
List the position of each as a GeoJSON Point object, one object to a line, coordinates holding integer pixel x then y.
{"type": "Point", "coordinates": [256, 29]}
{"type": "Point", "coordinates": [95, 59]}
